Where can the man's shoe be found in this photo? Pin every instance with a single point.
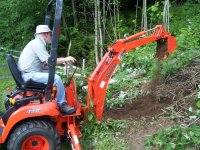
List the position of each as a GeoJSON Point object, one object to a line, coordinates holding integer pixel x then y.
{"type": "Point", "coordinates": [67, 109]}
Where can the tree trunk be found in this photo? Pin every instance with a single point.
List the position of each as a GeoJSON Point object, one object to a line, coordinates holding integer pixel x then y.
{"type": "Point", "coordinates": [144, 16]}
{"type": "Point", "coordinates": [74, 12]}
{"type": "Point", "coordinates": [166, 15]}
{"type": "Point", "coordinates": [66, 32]}
{"type": "Point", "coordinates": [118, 17]}
{"type": "Point", "coordinates": [104, 22]}
{"type": "Point", "coordinates": [115, 22]}
{"type": "Point", "coordinates": [100, 29]}
{"type": "Point", "coordinates": [136, 16]}
{"type": "Point", "coordinates": [96, 32]}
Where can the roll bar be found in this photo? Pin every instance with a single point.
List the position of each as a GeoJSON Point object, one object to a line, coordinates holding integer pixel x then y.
{"type": "Point", "coordinates": [55, 34]}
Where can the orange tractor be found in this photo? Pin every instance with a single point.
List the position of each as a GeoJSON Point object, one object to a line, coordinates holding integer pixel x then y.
{"type": "Point", "coordinates": [32, 120]}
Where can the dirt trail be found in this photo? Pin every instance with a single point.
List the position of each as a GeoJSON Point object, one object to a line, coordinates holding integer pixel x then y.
{"type": "Point", "coordinates": [172, 89]}
{"type": "Point", "coordinates": [139, 130]}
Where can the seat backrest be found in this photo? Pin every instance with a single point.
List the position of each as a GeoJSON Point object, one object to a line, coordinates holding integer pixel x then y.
{"type": "Point", "coordinates": [15, 71]}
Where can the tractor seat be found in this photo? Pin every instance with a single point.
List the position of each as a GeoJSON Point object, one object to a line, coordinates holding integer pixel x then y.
{"type": "Point", "coordinates": [21, 84]}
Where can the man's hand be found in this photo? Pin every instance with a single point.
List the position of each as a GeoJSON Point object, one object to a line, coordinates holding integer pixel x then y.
{"type": "Point", "coordinates": [45, 65]}
{"type": "Point", "coordinates": [70, 59]}
{"type": "Point", "coordinates": [65, 60]}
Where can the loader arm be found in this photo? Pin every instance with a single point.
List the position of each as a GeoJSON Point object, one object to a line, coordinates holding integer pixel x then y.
{"type": "Point", "coordinates": [98, 80]}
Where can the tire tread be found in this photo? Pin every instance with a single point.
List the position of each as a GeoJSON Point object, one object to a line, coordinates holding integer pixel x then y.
{"type": "Point", "coordinates": [25, 126]}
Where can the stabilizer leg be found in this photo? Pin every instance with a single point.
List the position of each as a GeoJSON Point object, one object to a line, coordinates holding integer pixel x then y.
{"type": "Point", "coordinates": [74, 137]}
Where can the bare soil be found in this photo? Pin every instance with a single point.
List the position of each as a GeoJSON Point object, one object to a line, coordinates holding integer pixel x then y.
{"type": "Point", "coordinates": [140, 129]}
{"type": "Point", "coordinates": [162, 94]}
{"type": "Point", "coordinates": [146, 106]}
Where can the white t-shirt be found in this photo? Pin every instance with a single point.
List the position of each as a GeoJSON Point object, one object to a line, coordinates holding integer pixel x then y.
{"type": "Point", "coordinates": [33, 55]}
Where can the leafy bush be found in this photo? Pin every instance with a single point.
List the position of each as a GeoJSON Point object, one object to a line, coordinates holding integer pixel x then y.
{"type": "Point", "coordinates": [175, 138]}
{"type": "Point", "coordinates": [125, 88]}
{"type": "Point", "coordinates": [107, 134]}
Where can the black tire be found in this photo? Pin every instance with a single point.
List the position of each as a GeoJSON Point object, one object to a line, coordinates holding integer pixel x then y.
{"type": "Point", "coordinates": [32, 129]}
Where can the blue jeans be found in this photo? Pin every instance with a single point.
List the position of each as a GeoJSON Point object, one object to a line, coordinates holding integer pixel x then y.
{"type": "Point", "coordinates": [42, 77]}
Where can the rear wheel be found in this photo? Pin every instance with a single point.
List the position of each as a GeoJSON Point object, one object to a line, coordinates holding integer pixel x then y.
{"type": "Point", "coordinates": [34, 135]}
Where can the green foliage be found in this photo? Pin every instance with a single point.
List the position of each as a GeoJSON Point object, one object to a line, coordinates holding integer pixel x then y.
{"type": "Point", "coordinates": [141, 58]}
{"type": "Point", "coordinates": [125, 26]}
{"type": "Point", "coordinates": [3, 70]}
{"type": "Point", "coordinates": [94, 132]}
{"type": "Point", "coordinates": [82, 45]}
{"type": "Point", "coordinates": [198, 98]}
{"type": "Point", "coordinates": [4, 84]}
{"type": "Point", "coordinates": [91, 63]}
{"type": "Point", "coordinates": [156, 14]}
{"type": "Point", "coordinates": [192, 1]}
{"type": "Point", "coordinates": [174, 138]}
{"type": "Point", "coordinates": [125, 89]}
{"type": "Point", "coordinates": [178, 61]}
{"type": "Point", "coordinates": [18, 21]}
{"type": "Point", "coordinates": [186, 30]}
{"type": "Point", "coordinates": [107, 134]}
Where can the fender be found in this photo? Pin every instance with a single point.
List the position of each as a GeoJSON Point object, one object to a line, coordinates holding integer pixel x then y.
{"type": "Point", "coordinates": [29, 111]}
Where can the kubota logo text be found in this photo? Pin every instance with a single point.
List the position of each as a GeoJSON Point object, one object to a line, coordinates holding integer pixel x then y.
{"type": "Point", "coordinates": [33, 111]}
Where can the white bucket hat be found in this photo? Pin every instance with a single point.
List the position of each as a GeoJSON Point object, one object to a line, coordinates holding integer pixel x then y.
{"type": "Point", "coordinates": [42, 29]}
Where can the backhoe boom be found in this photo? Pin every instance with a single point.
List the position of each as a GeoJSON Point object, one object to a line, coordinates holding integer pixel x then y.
{"type": "Point", "coordinates": [98, 80]}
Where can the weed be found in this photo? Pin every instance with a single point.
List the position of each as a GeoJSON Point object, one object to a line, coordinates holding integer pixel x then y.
{"type": "Point", "coordinates": [107, 134]}
{"type": "Point", "coordinates": [5, 83]}
{"type": "Point", "coordinates": [124, 91]}
{"type": "Point", "coordinates": [174, 138]}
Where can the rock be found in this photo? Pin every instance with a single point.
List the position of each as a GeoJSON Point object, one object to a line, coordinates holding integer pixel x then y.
{"type": "Point", "coordinates": [135, 75]}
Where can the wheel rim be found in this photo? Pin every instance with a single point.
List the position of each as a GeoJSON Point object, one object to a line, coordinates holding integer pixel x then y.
{"type": "Point", "coordinates": [35, 142]}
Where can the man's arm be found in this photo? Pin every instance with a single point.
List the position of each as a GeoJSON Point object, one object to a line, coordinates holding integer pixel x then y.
{"type": "Point", "coordinates": [60, 60]}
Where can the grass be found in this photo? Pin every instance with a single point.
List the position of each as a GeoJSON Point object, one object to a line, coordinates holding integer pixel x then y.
{"type": "Point", "coordinates": [4, 84]}
{"type": "Point", "coordinates": [107, 134]}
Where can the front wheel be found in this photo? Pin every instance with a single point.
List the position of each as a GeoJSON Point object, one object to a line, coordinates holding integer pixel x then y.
{"type": "Point", "coordinates": [34, 135]}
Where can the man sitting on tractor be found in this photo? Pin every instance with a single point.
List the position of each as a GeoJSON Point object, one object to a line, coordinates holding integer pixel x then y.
{"type": "Point", "coordinates": [33, 64]}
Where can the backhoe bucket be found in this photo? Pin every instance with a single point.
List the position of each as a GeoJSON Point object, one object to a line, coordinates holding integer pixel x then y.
{"type": "Point", "coordinates": [165, 47]}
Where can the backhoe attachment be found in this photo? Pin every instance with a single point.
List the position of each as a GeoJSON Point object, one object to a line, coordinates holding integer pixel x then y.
{"type": "Point", "coordinates": [166, 43]}
{"type": "Point", "coordinates": [98, 80]}
{"type": "Point", "coordinates": [165, 47]}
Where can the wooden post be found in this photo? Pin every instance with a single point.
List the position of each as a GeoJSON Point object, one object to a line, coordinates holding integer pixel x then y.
{"type": "Point", "coordinates": [83, 68]}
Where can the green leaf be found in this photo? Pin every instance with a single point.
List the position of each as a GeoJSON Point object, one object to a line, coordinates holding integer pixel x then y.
{"type": "Point", "coordinates": [190, 109]}
{"type": "Point", "coordinates": [169, 146]}
{"type": "Point", "coordinates": [198, 95]}
{"type": "Point", "coordinates": [198, 103]}
{"type": "Point", "coordinates": [90, 117]}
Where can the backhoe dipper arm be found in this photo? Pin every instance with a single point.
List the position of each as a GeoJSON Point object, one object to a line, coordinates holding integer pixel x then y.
{"type": "Point", "coordinates": [98, 80]}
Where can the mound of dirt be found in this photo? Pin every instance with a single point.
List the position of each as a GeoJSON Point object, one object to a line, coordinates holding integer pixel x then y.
{"type": "Point", "coordinates": [162, 93]}
{"type": "Point", "coordinates": [181, 84]}
{"type": "Point", "coordinates": [146, 106]}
